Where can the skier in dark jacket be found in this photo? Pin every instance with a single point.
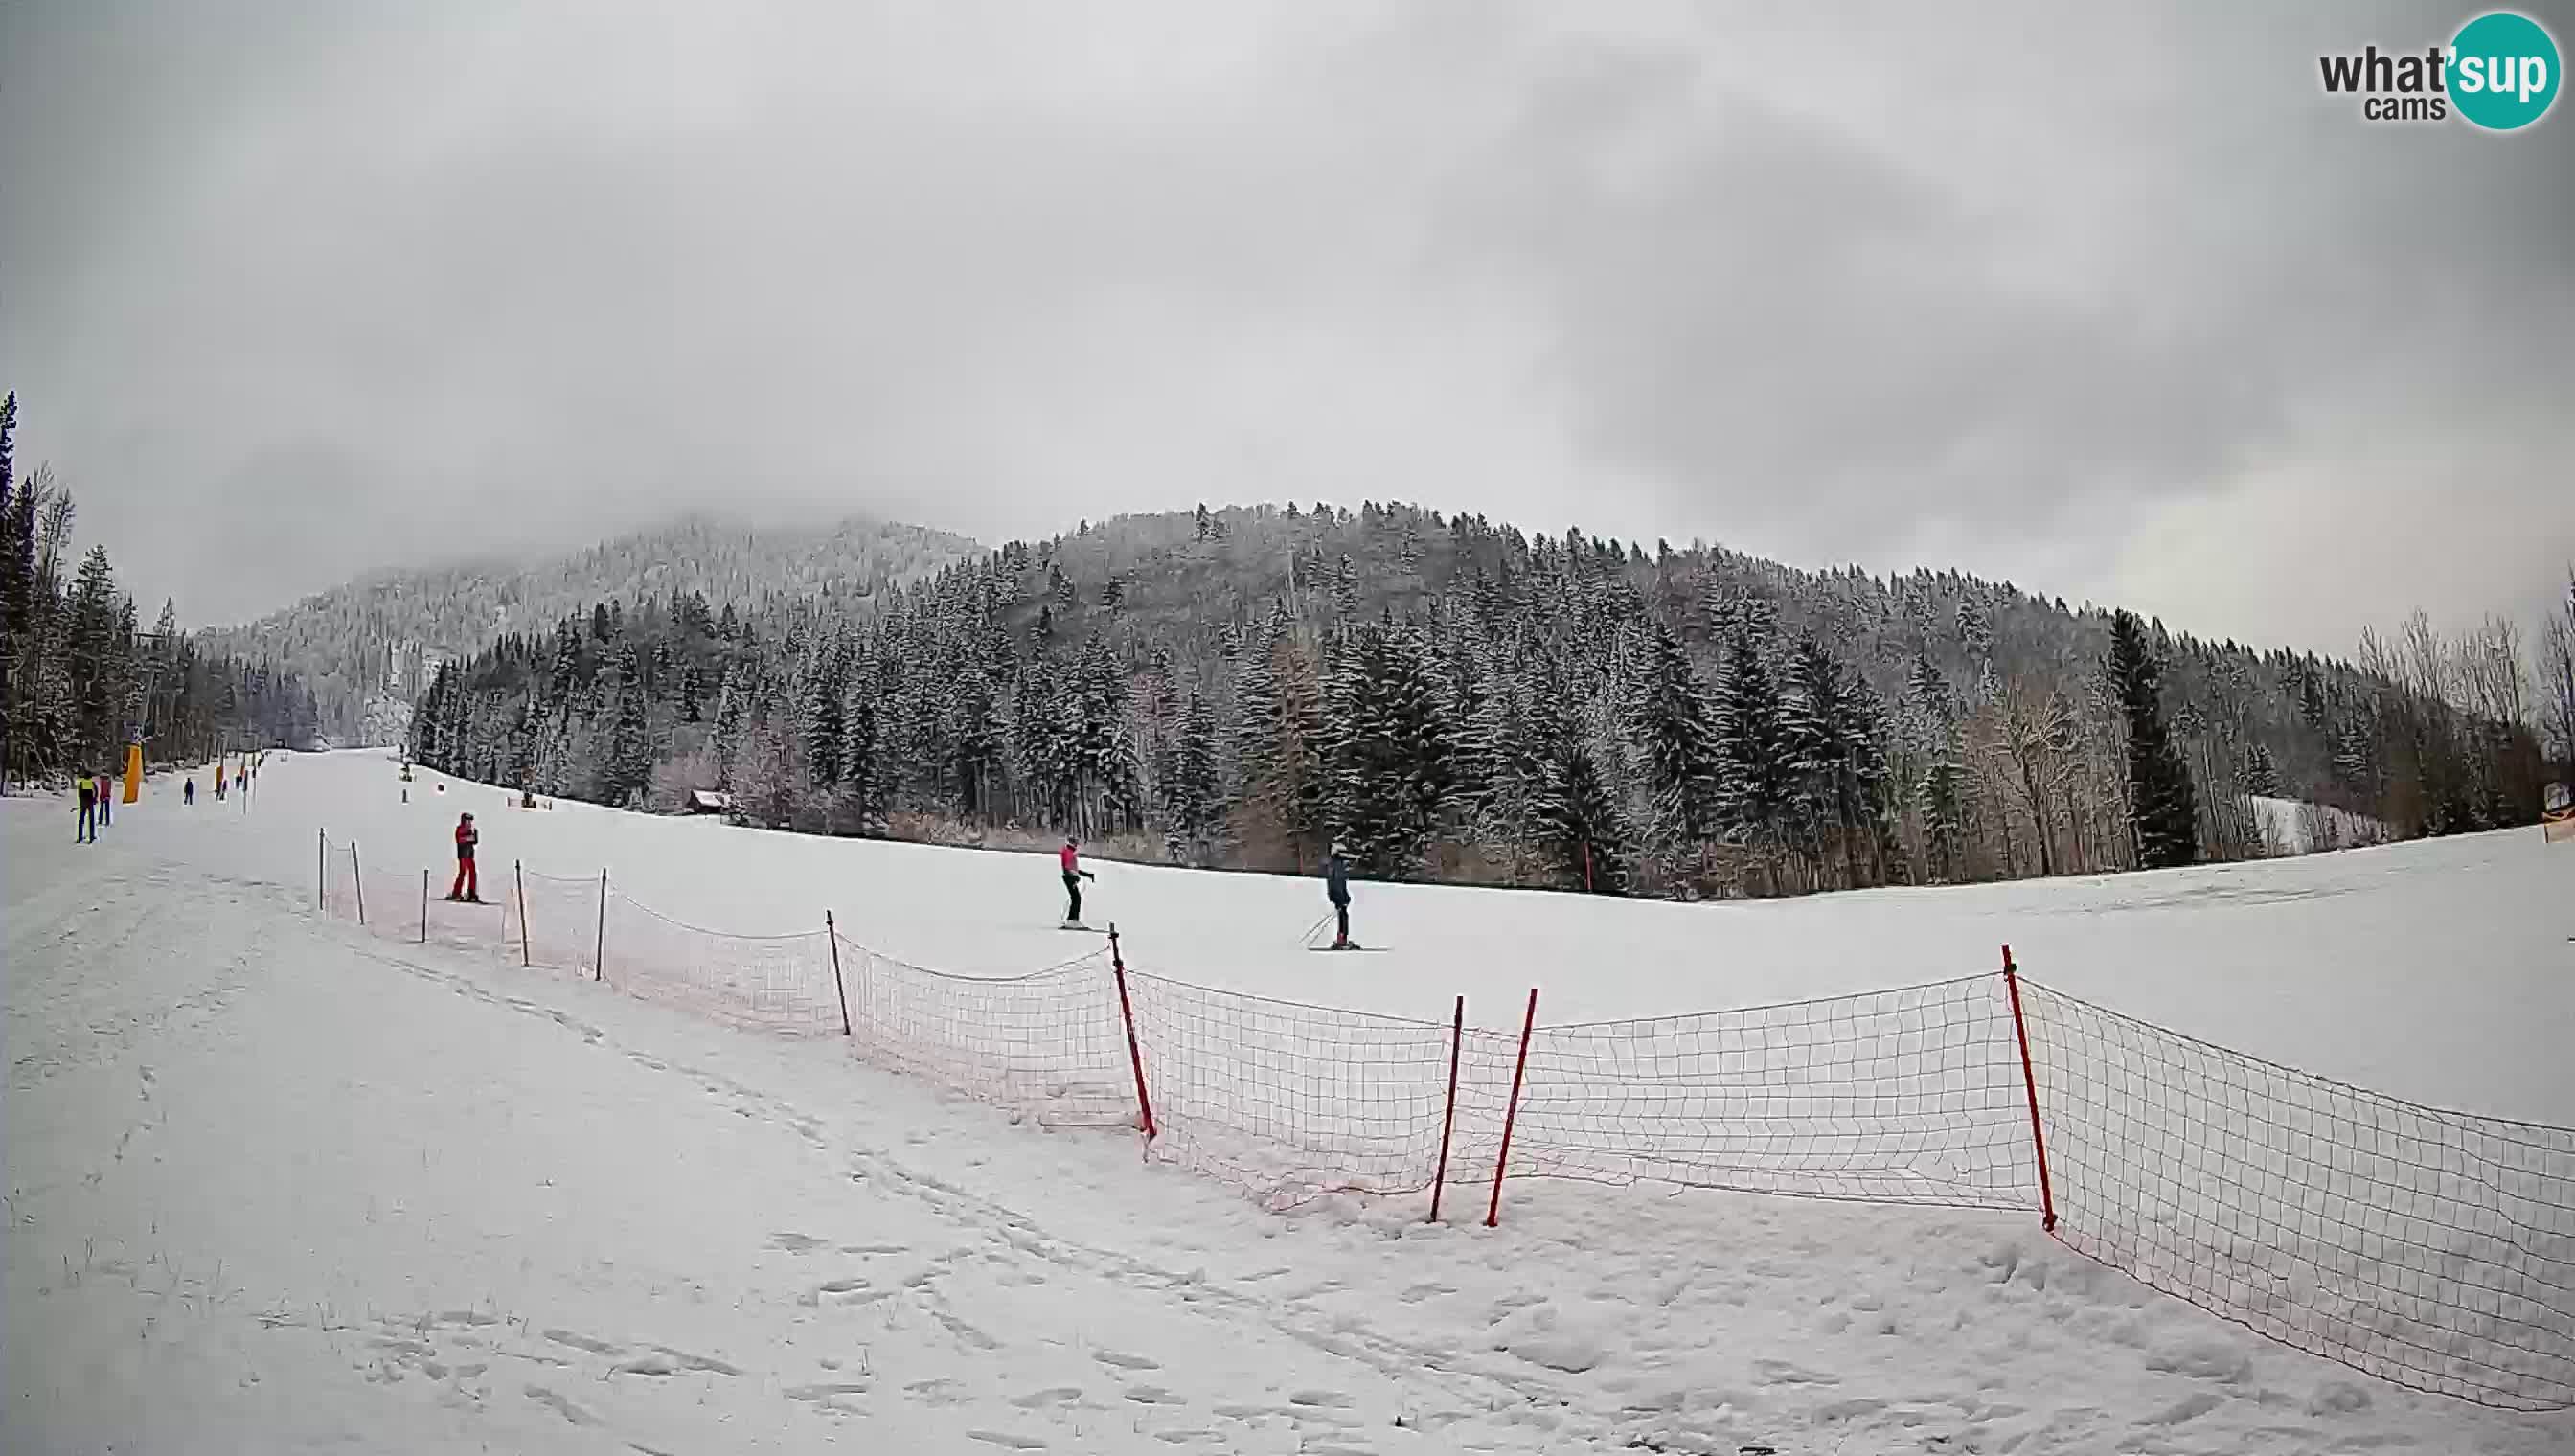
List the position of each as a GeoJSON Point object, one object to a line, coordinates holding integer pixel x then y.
{"type": "Point", "coordinates": [188, 792]}
{"type": "Point", "coordinates": [1073, 875]}
{"type": "Point", "coordinates": [1336, 888]}
{"type": "Point", "coordinates": [87, 829]}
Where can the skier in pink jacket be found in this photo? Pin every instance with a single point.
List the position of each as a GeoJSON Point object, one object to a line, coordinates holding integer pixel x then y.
{"type": "Point", "coordinates": [1073, 875]}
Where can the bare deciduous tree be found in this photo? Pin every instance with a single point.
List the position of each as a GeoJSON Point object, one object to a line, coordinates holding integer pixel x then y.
{"type": "Point", "coordinates": [2557, 679]}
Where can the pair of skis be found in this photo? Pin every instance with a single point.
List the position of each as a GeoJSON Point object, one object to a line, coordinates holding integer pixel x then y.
{"type": "Point", "coordinates": [1317, 928]}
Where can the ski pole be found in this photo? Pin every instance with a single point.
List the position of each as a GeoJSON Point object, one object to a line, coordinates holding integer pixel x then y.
{"type": "Point", "coordinates": [1315, 928]}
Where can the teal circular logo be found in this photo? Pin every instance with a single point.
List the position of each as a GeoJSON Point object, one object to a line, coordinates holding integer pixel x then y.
{"type": "Point", "coordinates": [2503, 71]}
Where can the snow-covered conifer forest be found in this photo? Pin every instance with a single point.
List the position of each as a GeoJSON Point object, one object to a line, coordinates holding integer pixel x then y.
{"type": "Point", "coordinates": [1457, 700]}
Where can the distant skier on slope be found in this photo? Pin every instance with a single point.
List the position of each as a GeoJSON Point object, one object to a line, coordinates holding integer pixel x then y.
{"type": "Point", "coordinates": [188, 790]}
{"type": "Point", "coordinates": [467, 836]}
{"type": "Point", "coordinates": [86, 830]}
{"type": "Point", "coordinates": [106, 797]}
{"type": "Point", "coordinates": [1336, 888]}
{"type": "Point", "coordinates": [1073, 875]}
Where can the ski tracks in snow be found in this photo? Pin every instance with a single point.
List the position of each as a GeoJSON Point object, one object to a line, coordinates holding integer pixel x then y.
{"type": "Point", "coordinates": [964, 1301]}
{"type": "Point", "coordinates": [286, 1185]}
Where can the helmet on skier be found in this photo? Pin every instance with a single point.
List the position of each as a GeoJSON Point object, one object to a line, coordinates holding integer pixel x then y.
{"type": "Point", "coordinates": [467, 817]}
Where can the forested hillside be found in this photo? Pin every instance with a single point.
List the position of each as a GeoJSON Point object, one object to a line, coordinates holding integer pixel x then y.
{"type": "Point", "coordinates": [79, 680]}
{"type": "Point", "coordinates": [366, 647]}
{"type": "Point", "coordinates": [1453, 698]}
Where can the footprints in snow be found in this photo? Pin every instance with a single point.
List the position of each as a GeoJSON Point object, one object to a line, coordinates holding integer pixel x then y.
{"type": "Point", "coordinates": [1305, 1416]}
{"type": "Point", "coordinates": [458, 1349]}
{"type": "Point", "coordinates": [582, 1342]}
{"type": "Point", "coordinates": [560, 1406]}
{"type": "Point", "coordinates": [1051, 1395]}
{"type": "Point", "coordinates": [828, 1393]}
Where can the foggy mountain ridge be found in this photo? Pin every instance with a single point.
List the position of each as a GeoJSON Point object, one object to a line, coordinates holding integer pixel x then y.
{"type": "Point", "coordinates": [365, 647]}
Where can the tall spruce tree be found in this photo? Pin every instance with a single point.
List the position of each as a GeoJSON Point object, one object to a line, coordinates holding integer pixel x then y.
{"type": "Point", "coordinates": [1390, 763]}
{"type": "Point", "coordinates": [625, 767]}
{"type": "Point", "coordinates": [1751, 739]}
{"type": "Point", "coordinates": [2162, 814]}
{"type": "Point", "coordinates": [1575, 823]}
{"type": "Point", "coordinates": [1671, 723]}
{"type": "Point", "coordinates": [1193, 795]}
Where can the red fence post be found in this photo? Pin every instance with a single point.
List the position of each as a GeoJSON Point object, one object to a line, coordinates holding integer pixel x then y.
{"type": "Point", "coordinates": [360, 880]}
{"type": "Point", "coordinates": [1511, 1111]}
{"type": "Point", "coordinates": [598, 952]}
{"type": "Point", "coordinates": [2030, 1083]}
{"type": "Point", "coordinates": [831, 933]}
{"type": "Point", "coordinates": [1448, 1120]}
{"type": "Point", "coordinates": [423, 905]}
{"type": "Point", "coordinates": [526, 953]}
{"type": "Point", "coordinates": [1127, 1012]}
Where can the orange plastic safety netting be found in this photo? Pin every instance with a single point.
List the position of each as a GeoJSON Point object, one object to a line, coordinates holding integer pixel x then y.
{"type": "Point", "coordinates": [2433, 1249]}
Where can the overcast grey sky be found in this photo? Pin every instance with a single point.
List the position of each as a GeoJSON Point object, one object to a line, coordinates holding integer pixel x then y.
{"type": "Point", "coordinates": [2116, 307]}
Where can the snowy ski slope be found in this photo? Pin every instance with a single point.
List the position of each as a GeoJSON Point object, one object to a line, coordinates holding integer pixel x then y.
{"type": "Point", "coordinates": [2440, 971]}
{"type": "Point", "coordinates": [277, 1186]}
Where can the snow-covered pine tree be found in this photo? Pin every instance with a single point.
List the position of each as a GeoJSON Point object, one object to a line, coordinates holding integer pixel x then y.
{"type": "Point", "coordinates": [1389, 760]}
{"type": "Point", "coordinates": [1750, 737]}
{"type": "Point", "coordinates": [1157, 711]}
{"type": "Point", "coordinates": [96, 655]}
{"type": "Point", "coordinates": [1868, 736]}
{"type": "Point", "coordinates": [1108, 787]}
{"type": "Point", "coordinates": [826, 689]}
{"type": "Point", "coordinates": [2164, 817]}
{"type": "Point", "coordinates": [426, 747]}
{"type": "Point", "coordinates": [2261, 771]}
{"type": "Point", "coordinates": [976, 738]}
{"type": "Point", "coordinates": [1192, 795]}
{"type": "Point", "coordinates": [858, 792]}
{"type": "Point", "coordinates": [1574, 824]}
{"type": "Point", "coordinates": [1671, 724]}
{"type": "Point", "coordinates": [1809, 718]}
{"type": "Point", "coordinates": [692, 691]}
{"type": "Point", "coordinates": [1276, 743]}
{"type": "Point", "coordinates": [628, 766]}
{"type": "Point", "coordinates": [1976, 630]}
{"type": "Point", "coordinates": [733, 715]}
{"type": "Point", "coordinates": [1043, 722]}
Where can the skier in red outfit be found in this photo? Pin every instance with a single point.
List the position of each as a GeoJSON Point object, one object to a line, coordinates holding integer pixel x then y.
{"type": "Point", "coordinates": [467, 836]}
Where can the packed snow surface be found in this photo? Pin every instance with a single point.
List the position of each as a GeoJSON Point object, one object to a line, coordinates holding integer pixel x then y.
{"type": "Point", "coordinates": [275, 1185]}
